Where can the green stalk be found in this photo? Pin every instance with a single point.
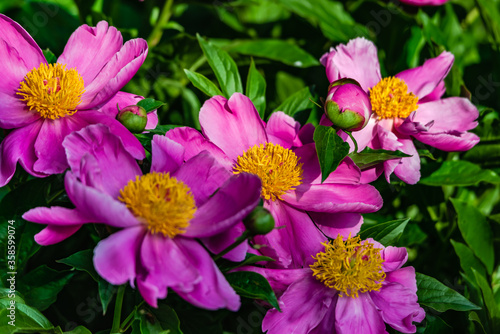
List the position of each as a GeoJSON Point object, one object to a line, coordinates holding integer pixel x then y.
{"type": "Point", "coordinates": [118, 310]}
{"type": "Point", "coordinates": [155, 36]}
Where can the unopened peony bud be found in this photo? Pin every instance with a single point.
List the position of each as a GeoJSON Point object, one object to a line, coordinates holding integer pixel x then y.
{"type": "Point", "coordinates": [259, 221]}
{"type": "Point", "coordinates": [347, 105]}
{"type": "Point", "coordinates": [134, 118]}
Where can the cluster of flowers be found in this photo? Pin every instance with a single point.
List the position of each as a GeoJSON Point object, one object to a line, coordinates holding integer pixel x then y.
{"type": "Point", "coordinates": [167, 223]}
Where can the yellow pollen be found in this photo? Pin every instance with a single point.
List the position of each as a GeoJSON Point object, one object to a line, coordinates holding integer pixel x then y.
{"type": "Point", "coordinates": [390, 98]}
{"type": "Point", "coordinates": [349, 266]}
{"type": "Point", "coordinates": [52, 90]}
{"type": "Point", "coordinates": [277, 167]}
{"type": "Point", "coordinates": [162, 202]}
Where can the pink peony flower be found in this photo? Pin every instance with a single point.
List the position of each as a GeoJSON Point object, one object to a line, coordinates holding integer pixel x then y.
{"type": "Point", "coordinates": [353, 287]}
{"type": "Point", "coordinates": [160, 215]}
{"type": "Point", "coordinates": [42, 103]}
{"type": "Point", "coordinates": [284, 157]}
{"type": "Point", "coordinates": [404, 106]}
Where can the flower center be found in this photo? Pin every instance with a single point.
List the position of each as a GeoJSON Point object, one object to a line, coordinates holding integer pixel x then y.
{"type": "Point", "coordinates": [162, 202]}
{"type": "Point", "coordinates": [349, 266]}
{"type": "Point", "coordinates": [277, 167]}
{"type": "Point", "coordinates": [390, 98]}
{"type": "Point", "coordinates": [52, 90]}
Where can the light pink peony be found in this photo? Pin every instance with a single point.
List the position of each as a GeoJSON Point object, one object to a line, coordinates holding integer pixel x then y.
{"type": "Point", "coordinates": [42, 103]}
{"type": "Point", "coordinates": [404, 106]}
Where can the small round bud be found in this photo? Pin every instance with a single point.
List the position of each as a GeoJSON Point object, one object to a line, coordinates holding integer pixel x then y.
{"type": "Point", "coordinates": [259, 221]}
{"type": "Point", "coordinates": [134, 118]}
{"type": "Point", "coordinates": [347, 105]}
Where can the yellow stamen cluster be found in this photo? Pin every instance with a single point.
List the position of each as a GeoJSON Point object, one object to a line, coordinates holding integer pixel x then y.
{"type": "Point", "coordinates": [349, 266]}
{"type": "Point", "coordinates": [277, 167]}
{"type": "Point", "coordinates": [52, 90]}
{"type": "Point", "coordinates": [162, 202]}
{"type": "Point", "coordinates": [390, 98]}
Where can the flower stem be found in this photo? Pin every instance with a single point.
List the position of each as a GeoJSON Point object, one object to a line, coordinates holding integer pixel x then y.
{"type": "Point", "coordinates": [244, 236]}
{"type": "Point", "coordinates": [130, 318]}
{"type": "Point", "coordinates": [155, 36]}
{"type": "Point", "coordinates": [118, 310]}
{"type": "Point", "coordinates": [349, 133]}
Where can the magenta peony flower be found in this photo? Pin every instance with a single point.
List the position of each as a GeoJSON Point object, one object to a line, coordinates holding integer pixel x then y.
{"type": "Point", "coordinates": [160, 215]}
{"type": "Point", "coordinates": [353, 287]}
{"type": "Point", "coordinates": [424, 2]}
{"type": "Point", "coordinates": [284, 157]}
{"type": "Point", "coordinates": [42, 103]}
{"type": "Point", "coordinates": [404, 106]}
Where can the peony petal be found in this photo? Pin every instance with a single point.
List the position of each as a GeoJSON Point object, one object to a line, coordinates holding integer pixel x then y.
{"type": "Point", "coordinates": [213, 291]}
{"type": "Point", "coordinates": [303, 306]}
{"type": "Point", "coordinates": [423, 80]}
{"type": "Point", "coordinates": [119, 101]}
{"type": "Point", "coordinates": [394, 258]}
{"type": "Point", "coordinates": [18, 39]}
{"type": "Point", "coordinates": [48, 146]}
{"type": "Point", "coordinates": [365, 136]}
{"type": "Point", "coordinates": [167, 155]}
{"type": "Point", "coordinates": [235, 199]}
{"type": "Point", "coordinates": [404, 276]}
{"type": "Point", "coordinates": [408, 168]}
{"type": "Point", "coordinates": [53, 234]}
{"type": "Point", "coordinates": [114, 74]}
{"type": "Point", "coordinates": [358, 316]}
{"type": "Point", "coordinates": [57, 216]}
{"type": "Point", "coordinates": [221, 241]}
{"type": "Point", "coordinates": [114, 166]}
{"type": "Point", "coordinates": [116, 256]}
{"type": "Point", "coordinates": [450, 142]}
{"type": "Point", "coordinates": [450, 114]}
{"type": "Point", "coordinates": [13, 112]}
{"type": "Point", "coordinates": [398, 306]}
{"type": "Point", "coordinates": [165, 264]}
{"type": "Point", "coordinates": [357, 60]}
{"type": "Point", "coordinates": [333, 224]}
{"type": "Point", "coordinates": [98, 205]}
{"type": "Point", "coordinates": [130, 142]}
{"type": "Point", "coordinates": [203, 175]}
{"type": "Point", "coordinates": [282, 129]}
{"type": "Point", "coordinates": [234, 125]}
{"type": "Point", "coordinates": [352, 198]}
{"type": "Point", "coordinates": [194, 142]}
{"type": "Point", "coordinates": [19, 146]}
{"type": "Point", "coordinates": [100, 43]}
{"type": "Point", "coordinates": [294, 239]}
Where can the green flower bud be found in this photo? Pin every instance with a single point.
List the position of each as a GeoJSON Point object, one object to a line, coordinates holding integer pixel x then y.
{"type": "Point", "coordinates": [134, 118]}
{"type": "Point", "coordinates": [259, 221]}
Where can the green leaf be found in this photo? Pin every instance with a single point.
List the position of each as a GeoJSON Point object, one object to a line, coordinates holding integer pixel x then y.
{"type": "Point", "coordinates": [25, 317]}
{"type": "Point", "coordinates": [333, 20]}
{"type": "Point", "coordinates": [489, 300]}
{"type": "Point", "coordinates": [162, 129]}
{"type": "Point", "coordinates": [224, 67]}
{"type": "Point", "coordinates": [150, 104]}
{"type": "Point", "coordinates": [439, 297]}
{"type": "Point", "coordinates": [460, 173]}
{"type": "Point", "coordinates": [277, 50]}
{"type": "Point", "coordinates": [41, 286]}
{"type": "Point", "coordinates": [476, 232]}
{"type": "Point", "coordinates": [386, 233]}
{"type": "Point", "coordinates": [297, 102]}
{"type": "Point", "coordinates": [473, 316]}
{"type": "Point", "coordinates": [468, 261]}
{"type": "Point", "coordinates": [331, 149]}
{"type": "Point", "coordinates": [167, 318]}
{"type": "Point", "coordinates": [256, 89]}
{"type": "Point", "coordinates": [369, 158]}
{"type": "Point", "coordinates": [252, 285]}
{"type": "Point", "coordinates": [49, 56]}
{"type": "Point", "coordinates": [436, 325]}
{"type": "Point", "coordinates": [191, 106]}
{"type": "Point", "coordinates": [79, 330]}
{"type": "Point", "coordinates": [82, 261]}
{"type": "Point", "coordinates": [203, 83]}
